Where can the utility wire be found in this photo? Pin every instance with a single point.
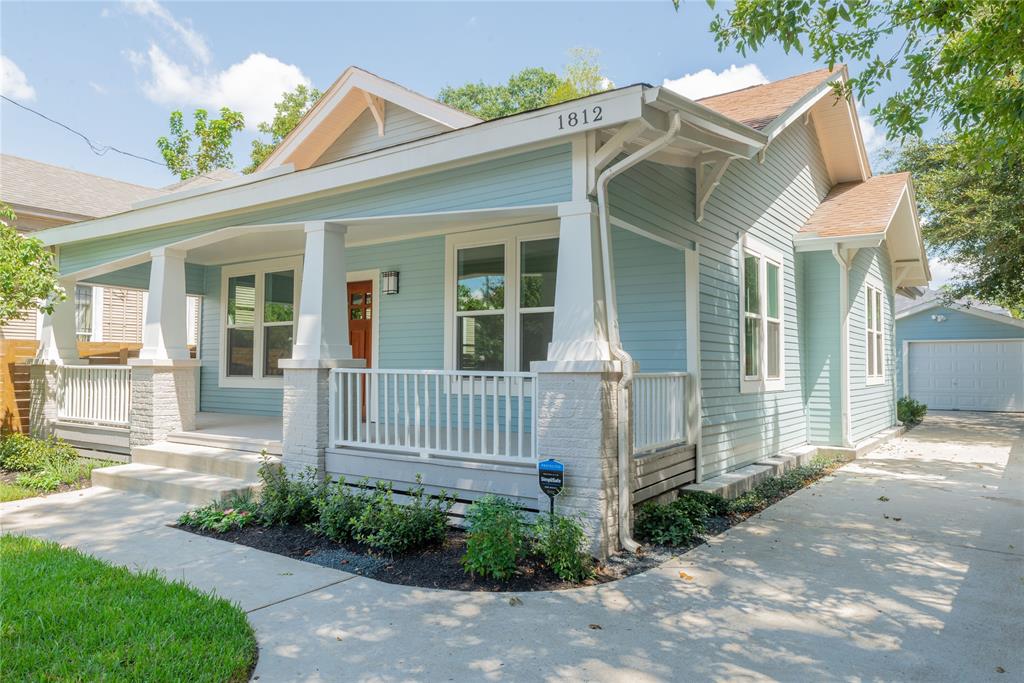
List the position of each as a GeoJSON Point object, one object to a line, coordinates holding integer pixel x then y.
{"type": "Point", "coordinates": [97, 149]}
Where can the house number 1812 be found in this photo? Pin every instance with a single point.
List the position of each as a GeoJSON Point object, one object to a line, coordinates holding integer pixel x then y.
{"type": "Point", "coordinates": [583, 116]}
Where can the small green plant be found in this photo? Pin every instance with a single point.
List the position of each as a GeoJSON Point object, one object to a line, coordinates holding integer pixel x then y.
{"type": "Point", "coordinates": [289, 498]}
{"type": "Point", "coordinates": [716, 505]}
{"type": "Point", "coordinates": [23, 453]}
{"type": "Point", "coordinates": [393, 528]}
{"type": "Point", "coordinates": [221, 516]}
{"type": "Point", "coordinates": [775, 488]}
{"type": "Point", "coordinates": [666, 524]}
{"type": "Point", "coordinates": [562, 543]}
{"type": "Point", "coordinates": [497, 538]}
{"type": "Point", "coordinates": [338, 510]}
{"type": "Point", "coordinates": [910, 412]}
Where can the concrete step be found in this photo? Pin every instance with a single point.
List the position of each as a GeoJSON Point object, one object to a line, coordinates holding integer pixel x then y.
{"type": "Point", "coordinates": [236, 443]}
{"type": "Point", "coordinates": [202, 459]}
{"type": "Point", "coordinates": [171, 484]}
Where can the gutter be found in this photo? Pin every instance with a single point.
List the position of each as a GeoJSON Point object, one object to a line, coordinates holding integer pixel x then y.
{"type": "Point", "coordinates": [612, 322]}
{"type": "Point", "coordinates": [844, 341]}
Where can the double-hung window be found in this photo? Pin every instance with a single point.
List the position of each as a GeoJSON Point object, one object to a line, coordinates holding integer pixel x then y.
{"type": "Point", "coordinates": [260, 302]}
{"type": "Point", "coordinates": [500, 298]}
{"type": "Point", "coordinates": [874, 342]}
{"type": "Point", "coordinates": [762, 352]}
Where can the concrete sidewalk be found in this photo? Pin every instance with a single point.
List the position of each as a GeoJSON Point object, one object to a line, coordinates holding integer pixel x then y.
{"type": "Point", "coordinates": [831, 583]}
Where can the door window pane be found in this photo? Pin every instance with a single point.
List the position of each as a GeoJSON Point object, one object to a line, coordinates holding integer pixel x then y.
{"type": "Point", "coordinates": [279, 297]}
{"type": "Point", "coordinates": [481, 278]}
{"type": "Point", "coordinates": [240, 352]}
{"type": "Point", "coordinates": [752, 348]}
{"type": "Point", "coordinates": [534, 337]}
{"type": "Point", "coordinates": [539, 261]}
{"type": "Point", "coordinates": [773, 290]}
{"type": "Point", "coordinates": [481, 341]}
{"type": "Point", "coordinates": [774, 347]}
{"type": "Point", "coordinates": [277, 344]}
{"type": "Point", "coordinates": [242, 300]}
{"type": "Point", "coordinates": [751, 299]}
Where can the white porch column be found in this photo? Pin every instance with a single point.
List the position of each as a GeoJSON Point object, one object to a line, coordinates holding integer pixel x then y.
{"type": "Point", "coordinates": [164, 397]}
{"type": "Point", "coordinates": [164, 332]}
{"type": "Point", "coordinates": [579, 332]}
{"type": "Point", "coordinates": [321, 343]}
{"type": "Point", "coordinates": [58, 346]}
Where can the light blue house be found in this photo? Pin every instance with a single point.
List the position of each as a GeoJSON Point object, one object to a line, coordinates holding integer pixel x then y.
{"type": "Point", "coordinates": [960, 356]}
{"type": "Point", "coordinates": [653, 290]}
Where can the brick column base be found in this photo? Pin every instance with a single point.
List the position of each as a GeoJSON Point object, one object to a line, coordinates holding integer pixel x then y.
{"type": "Point", "coordinates": [163, 399]}
{"type": "Point", "coordinates": [576, 424]}
{"type": "Point", "coordinates": [42, 411]}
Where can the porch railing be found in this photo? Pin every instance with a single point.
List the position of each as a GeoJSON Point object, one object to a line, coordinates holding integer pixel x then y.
{"type": "Point", "coordinates": [659, 409]}
{"type": "Point", "coordinates": [471, 415]}
{"type": "Point", "coordinates": [95, 394]}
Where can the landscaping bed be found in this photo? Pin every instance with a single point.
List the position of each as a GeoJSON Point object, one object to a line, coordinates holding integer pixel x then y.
{"type": "Point", "coordinates": [70, 617]}
{"type": "Point", "coordinates": [32, 467]}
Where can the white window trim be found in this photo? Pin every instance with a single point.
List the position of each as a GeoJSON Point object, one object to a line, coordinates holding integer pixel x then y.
{"type": "Point", "coordinates": [257, 268]}
{"type": "Point", "coordinates": [97, 314]}
{"type": "Point", "coordinates": [764, 254]}
{"type": "Point", "coordinates": [870, 290]}
{"type": "Point", "coordinates": [511, 238]}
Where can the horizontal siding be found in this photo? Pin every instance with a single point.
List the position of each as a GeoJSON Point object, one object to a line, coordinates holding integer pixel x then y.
{"type": "Point", "coordinates": [872, 407]}
{"type": "Point", "coordinates": [400, 125]}
{"type": "Point", "coordinates": [818, 275]}
{"type": "Point", "coordinates": [137, 277]}
{"type": "Point", "coordinates": [540, 176]}
{"type": "Point", "coordinates": [956, 325]}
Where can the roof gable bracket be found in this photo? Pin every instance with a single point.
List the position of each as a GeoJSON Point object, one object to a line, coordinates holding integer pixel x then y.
{"type": "Point", "coordinates": [901, 269]}
{"type": "Point", "coordinates": [707, 179]}
{"type": "Point", "coordinates": [613, 148]}
{"type": "Point", "coordinates": [376, 106]}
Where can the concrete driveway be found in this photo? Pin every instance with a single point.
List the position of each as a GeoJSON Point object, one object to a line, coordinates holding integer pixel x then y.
{"type": "Point", "coordinates": [832, 583]}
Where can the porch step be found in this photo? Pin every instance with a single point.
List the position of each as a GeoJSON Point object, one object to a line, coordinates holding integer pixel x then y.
{"type": "Point", "coordinates": [171, 484]}
{"type": "Point", "coordinates": [223, 462]}
{"type": "Point", "coordinates": [235, 443]}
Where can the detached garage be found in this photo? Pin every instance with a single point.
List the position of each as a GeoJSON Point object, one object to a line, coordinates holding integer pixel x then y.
{"type": "Point", "coordinates": [960, 357]}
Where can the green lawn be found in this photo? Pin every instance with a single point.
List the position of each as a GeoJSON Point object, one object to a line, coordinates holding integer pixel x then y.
{"type": "Point", "coordinates": [14, 492]}
{"type": "Point", "coordinates": [65, 616]}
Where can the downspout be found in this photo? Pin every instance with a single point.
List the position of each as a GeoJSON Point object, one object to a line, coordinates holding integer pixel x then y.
{"type": "Point", "coordinates": [844, 342]}
{"type": "Point", "coordinates": [612, 324]}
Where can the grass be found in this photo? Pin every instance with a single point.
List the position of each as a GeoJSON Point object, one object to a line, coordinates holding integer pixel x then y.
{"type": "Point", "coordinates": [67, 616]}
{"type": "Point", "coordinates": [29, 484]}
{"type": "Point", "coordinates": [9, 492]}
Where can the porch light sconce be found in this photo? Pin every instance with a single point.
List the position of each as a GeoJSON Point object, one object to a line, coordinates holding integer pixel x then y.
{"type": "Point", "coordinates": [389, 282]}
{"type": "Point", "coordinates": [939, 318]}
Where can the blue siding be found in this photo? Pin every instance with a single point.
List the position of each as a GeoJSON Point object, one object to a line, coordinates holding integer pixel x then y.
{"type": "Point", "coordinates": [957, 325]}
{"type": "Point", "coordinates": [818, 284]}
{"type": "Point", "coordinates": [872, 407]}
{"type": "Point", "coordinates": [400, 125]}
{"type": "Point", "coordinates": [540, 176]}
{"type": "Point", "coordinates": [137, 277]}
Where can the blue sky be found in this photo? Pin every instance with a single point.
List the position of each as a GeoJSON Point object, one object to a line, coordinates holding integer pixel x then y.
{"type": "Point", "coordinates": [116, 70]}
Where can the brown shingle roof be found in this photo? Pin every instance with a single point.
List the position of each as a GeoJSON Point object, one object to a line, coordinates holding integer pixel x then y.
{"type": "Point", "coordinates": [859, 208]}
{"type": "Point", "coordinates": [759, 105]}
{"type": "Point", "coordinates": [42, 186]}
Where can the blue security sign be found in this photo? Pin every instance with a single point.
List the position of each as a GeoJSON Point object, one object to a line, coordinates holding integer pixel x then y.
{"type": "Point", "coordinates": [551, 474]}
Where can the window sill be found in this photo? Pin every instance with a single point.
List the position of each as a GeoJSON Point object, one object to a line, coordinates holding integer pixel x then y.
{"type": "Point", "coordinates": [875, 381]}
{"type": "Point", "coordinates": [748, 386]}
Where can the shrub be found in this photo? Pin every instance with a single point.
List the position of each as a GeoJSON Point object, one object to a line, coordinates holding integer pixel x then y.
{"type": "Point", "coordinates": [665, 524]}
{"type": "Point", "coordinates": [909, 411]}
{"type": "Point", "coordinates": [562, 543]}
{"type": "Point", "coordinates": [338, 510]}
{"type": "Point", "coordinates": [23, 453]}
{"type": "Point", "coordinates": [497, 538]}
{"type": "Point", "coordinates": [389, 527]}
{"type": "Point", "coordinates": [235, 513]}
{"type": "Point", "coordinates": [289, 499]}
{"type": "Point", "coordinates": [715, 504]}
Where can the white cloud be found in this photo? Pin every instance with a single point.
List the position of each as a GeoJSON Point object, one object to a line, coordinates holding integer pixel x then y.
{"type": "Point", "coordinates": [98, 88]}
{"type": "Point", "coordinates": [251, 86]}
{"type": "Point", "coordinates": [14, 82]}
{"type": "Point", "coordinates": [706, 82]}
{"type": "Point", "coordinates": [942, 272]}
{"type": "Point", "coordinates": [874, 139]}
{"type": "Point", "coordinates": [183, 30]}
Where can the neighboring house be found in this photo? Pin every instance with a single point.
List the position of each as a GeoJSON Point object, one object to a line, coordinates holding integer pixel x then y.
{"type": "Point", "coordinates": [45, 196]}
{"type": "Point", "coordinates": [652, 290]}
{"type": "Point", "coordinates": [964, 356]}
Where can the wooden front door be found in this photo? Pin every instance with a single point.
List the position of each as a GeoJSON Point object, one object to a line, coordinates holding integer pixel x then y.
{"type": "Point", "coordinates": [360, 320]}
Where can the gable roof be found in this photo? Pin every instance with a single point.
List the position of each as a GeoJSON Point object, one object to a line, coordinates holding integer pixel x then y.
{"type": "Point", "coordinates": [760, 105]}
{"type": "Point", "coordinates": [932, 299]}
{"type": "Point", "coordinates": [858, 208]}
{"type": "Point", "coordinates": [29, 184]}
{"type": "Point", "coordinates": [355, 91]}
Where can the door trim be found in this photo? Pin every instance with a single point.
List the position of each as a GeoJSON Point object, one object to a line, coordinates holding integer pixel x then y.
{"type": "Point", "coordinates": [906, 352]}
{"type": "Point", "coordinates": [373, 275]}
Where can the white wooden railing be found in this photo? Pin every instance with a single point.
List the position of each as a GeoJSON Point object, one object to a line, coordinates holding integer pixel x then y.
{"type": "Point", "coordinates": [95, 394]}
{"type": "Point", "coordinates": [659, 409]}
{"type": "Point", "coordinates": [470, 415]}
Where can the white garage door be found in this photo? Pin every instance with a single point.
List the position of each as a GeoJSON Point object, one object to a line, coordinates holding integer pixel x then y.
{"type": "Point", "coordinates": [968, 375]}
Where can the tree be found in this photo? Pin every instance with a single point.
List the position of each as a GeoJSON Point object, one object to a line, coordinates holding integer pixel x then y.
{"type": "Point", "coordinates": [28, 275]}
{"type": "Point", "coordinates": [287, 113]}
{"type": "Point", "coordinates": [531, 88]}
{"type": "Point", "coordinates": [213, 142]}
{"type": "Point", "coordinates": [963, 58]}
{"type": "Point", "coordinates": [973, 216]}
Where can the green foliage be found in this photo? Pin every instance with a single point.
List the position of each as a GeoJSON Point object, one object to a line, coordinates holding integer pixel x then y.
{"type": "Point", "coordinates": [28, 273]}
{"type": "Point", "coordinates": [562, 543]}
{"type": "Point", "coordinates": [962, 59]}
{"type": "Point", "coordinates": [715, 504]}
{"type": "Point", "coordinates": [674, 524]}
{"type": "Point", "coordinates": [23, 453]}
{"type": "Point", "coordinates": [338, 511]}
{"type": "Point", "coordinates": [287, 114]}
{"type": "Point", "coordinates": [72, 617]}
{"type": "Point", "coordinates": [910, 412]}
{"type": "Point", "coordinates": [9, 492]}
{"type": "Point", "coordinates": [386, 526]}
{"type": "Point", "coordinates": [529, 89]}
{"type": "Point", "coordinates": [497, 538]}
{"type": "Point", "coordinates": [289, 499]}
{"type": "Point", "coordinates": [973, 216]}
{"type": "Point", "coordinates": [235, 513]}
{"type": "Point", "coordinates": [776, 488]}
{"type": "Point", "coordinates": [212, 148]}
